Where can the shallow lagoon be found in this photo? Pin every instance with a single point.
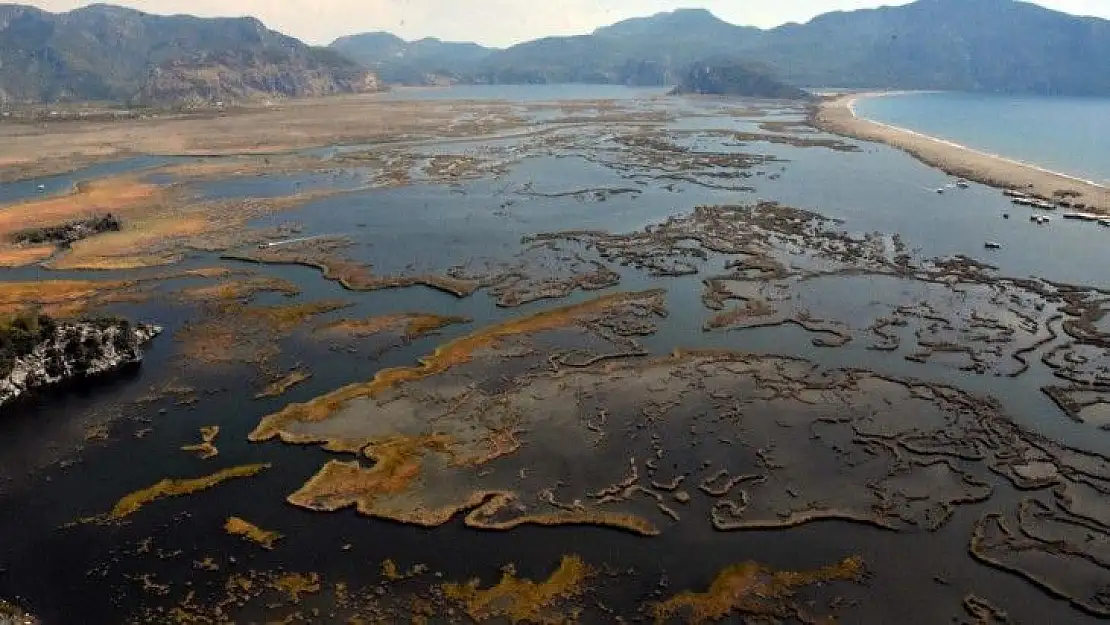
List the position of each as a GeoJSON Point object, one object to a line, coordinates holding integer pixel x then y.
{"type": "Point", "coordinates": [432, 226]}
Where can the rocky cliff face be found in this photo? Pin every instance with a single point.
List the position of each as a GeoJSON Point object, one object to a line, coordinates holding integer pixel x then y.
{"type": "Point", "coordinates": [236, 76]}
{"type": "Point", "coordinates": [102, 52]}
{"type": "Point", "coordinates": [39, 353]}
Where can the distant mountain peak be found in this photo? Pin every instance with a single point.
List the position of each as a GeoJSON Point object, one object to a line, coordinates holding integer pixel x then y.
{"type": "Point", "coordinates": [103, 7]}
{"type": "Point", "coordinates": [424, 61]}
{"type": "Point", "coordinates": [691, 13]}
{"type": "Point", "coordinates": [676, 19]}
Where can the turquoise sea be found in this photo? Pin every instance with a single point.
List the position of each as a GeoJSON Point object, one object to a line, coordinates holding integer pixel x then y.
{"type": "Point", "coordinates": [1068, 135]}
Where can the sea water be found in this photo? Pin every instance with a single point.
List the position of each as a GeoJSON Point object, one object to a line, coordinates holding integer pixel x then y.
{"type": "Point", "coordinates": [1069, 135]}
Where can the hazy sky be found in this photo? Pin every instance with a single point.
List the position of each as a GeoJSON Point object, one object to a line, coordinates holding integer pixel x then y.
{"type": "Point", "coordinates": [497, 22]}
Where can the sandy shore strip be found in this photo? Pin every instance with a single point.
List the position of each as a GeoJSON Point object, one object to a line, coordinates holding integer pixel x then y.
{"type": "Point", "coordinates": [838, 115]}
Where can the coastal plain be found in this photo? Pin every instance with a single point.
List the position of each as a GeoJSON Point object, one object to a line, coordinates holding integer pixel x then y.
{"type": "Point", "coordinates": [468, 361]}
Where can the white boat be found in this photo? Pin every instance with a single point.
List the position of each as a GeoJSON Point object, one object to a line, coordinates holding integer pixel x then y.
{"type": "Point", "coordinates": [962, 184]}
{"type": "Point", "coordinates": [991, 245]}
{"type": "Point", "coordinates": [940, 190]}
{"type": "Point", "coordinates": [1034, 202]}
{"type": "Point", "coordinates": [1104, 222]}
{"type": "Point", "coordinates": [1014, 194]}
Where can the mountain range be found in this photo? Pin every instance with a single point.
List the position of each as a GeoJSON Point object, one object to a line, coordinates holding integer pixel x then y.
{"type": "Point", "coordinates": [971, 45]}
{"type": "Point", "coordinates": [412, 63]}
{"type": "Point", "coordinates": [110, 53]}
{"type": "Point", "coordinates": [102, 52]}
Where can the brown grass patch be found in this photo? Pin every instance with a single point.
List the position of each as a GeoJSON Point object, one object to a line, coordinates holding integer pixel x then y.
{"type": "Point", "coordinates": [206, 448]}
{"type": "Point", "coordinates": [61, 298]}
{"type": "Point", "coordinates": [446, 356]}
{"type": "Point", "coordinates": [136, 202]}
{"type": "Point", "coordinates": [203, 272]}
{"type": "Point", "coordinates": [297, 584]}
{"type": "Point", "coordinates": [120, 195]}
{"type": "Point", "coordinates": [412, 325]}
{"type": "Point", "coordinates": [130, 504]}
{"type": "Point", "coordinates": [281, 386]}
{"type": "Point", "coordinates": [129, 248]}
{"type": "Point", "coordinates": [284, 319]}
{"type": "Point", "coordinates": [325, 254]}
{"type": "Point", "coordinates": [752, 590]}
{"type": "Point", "coordinates": [398, 460]}
{"type": "Point", "coordinates": [159, 223]}
{"type": "Point", "coordinates": [231, 290]}
{"type": "Point", "coordinates": [220, 342]}
{"type": "Point", "coordinates": [23, 256]}
{"type": "Point", "coordinates": [521, 600]}
{"type": "Point", "coordinates": [67, 298]}
{"type": "Point", "coordinates": [249, 531]}
{"type": "Point", "coordinates": [237, 333]}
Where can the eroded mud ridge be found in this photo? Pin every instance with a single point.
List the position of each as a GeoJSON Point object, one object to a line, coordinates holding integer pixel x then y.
{"type": "Point", "coordinates": [854, 464]}
{"type": "Point", "coordinates": [768, 240]}
{"type": "Point", "coordinates": [766, 265]}
{"type": "Point", "coordinates": [326, 254]}
{"type": "Point", "coordinates": [888, 469]}
{"type": "Point", "coordinates": [518, 431]}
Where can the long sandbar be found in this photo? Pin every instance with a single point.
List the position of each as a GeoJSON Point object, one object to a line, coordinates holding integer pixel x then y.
{"type": "Point", "coordinates": [838, 115]}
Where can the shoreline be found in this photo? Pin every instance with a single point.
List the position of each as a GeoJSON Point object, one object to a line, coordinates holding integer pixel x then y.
{"type": "Point", "coordinates": [838, 115]}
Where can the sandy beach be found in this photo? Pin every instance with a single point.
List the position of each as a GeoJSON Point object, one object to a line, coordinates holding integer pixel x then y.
{"type": "Point", "coordinates": [837, 115]}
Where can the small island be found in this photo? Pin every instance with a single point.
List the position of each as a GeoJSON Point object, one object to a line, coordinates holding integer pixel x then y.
{"type": "Point", "coordinates": [38, 351]}
{"type": "Point", "coordinates": [731, 77]}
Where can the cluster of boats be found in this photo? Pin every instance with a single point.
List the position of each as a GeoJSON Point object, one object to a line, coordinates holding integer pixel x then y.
{"type": "Point", "coordinates": [1102, 221]}
{"type": "Point", "coordinates": [1024, 199]}
{"type": "Point", "coordinates": [1034, 202]}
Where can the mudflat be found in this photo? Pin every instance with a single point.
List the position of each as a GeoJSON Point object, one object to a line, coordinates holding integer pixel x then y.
{"type": "Point", "coordinates": [479, 361]}
{"type": "Point", "coordinates": [38, 149]}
